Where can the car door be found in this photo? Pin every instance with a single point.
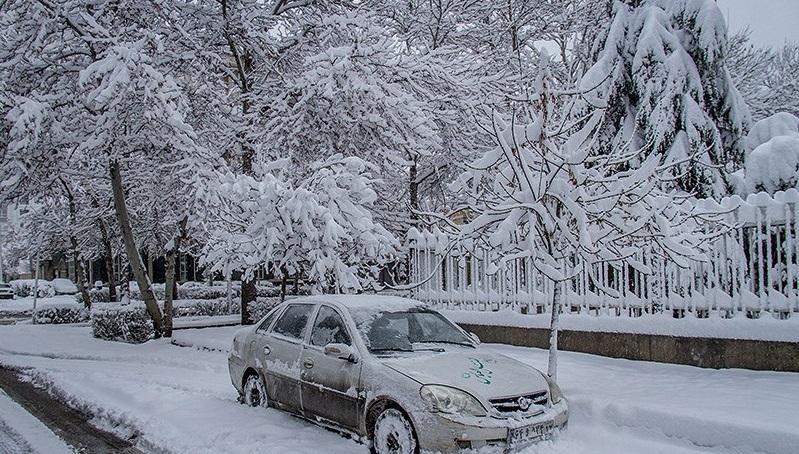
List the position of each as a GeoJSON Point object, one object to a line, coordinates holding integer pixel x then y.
{"type": "Point", "coordinates": [279, 354]}
{"type": "Point", "coordinates": [330, 384]}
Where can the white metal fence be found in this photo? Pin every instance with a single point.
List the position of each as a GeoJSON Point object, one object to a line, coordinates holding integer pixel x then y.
{"type": "Point", "coordinates": [753, 269]}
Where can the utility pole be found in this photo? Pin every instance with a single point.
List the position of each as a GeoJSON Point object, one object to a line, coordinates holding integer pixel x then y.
{"type": "Point", "coordinates": [36, 283]}
{"type": "Point", "coordinates": [3, 222]}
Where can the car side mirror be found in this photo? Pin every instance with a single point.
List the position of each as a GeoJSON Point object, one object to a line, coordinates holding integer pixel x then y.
{"type": "Point", "coordinates": [341, 351]}
{"type": "Point", "coordinates": [475, 338]}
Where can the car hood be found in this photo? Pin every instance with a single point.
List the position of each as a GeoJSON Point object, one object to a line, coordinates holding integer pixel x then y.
{"type": "Point", "coordinates": [480, 372]}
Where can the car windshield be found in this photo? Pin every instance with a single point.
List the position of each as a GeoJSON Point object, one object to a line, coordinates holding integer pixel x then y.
{"type": "Point", "coordinates": [406, 330]}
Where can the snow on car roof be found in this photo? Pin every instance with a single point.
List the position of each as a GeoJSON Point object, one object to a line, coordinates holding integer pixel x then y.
{"type": "Point", "coordinates": [372, 303]}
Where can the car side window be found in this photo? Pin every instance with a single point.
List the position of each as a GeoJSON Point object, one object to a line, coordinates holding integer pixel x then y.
{"type": "Point", "coordinates": [267, 321]}
{"type": "Point", "coordinates": [292, 322]}
{"type": "Point", "coordinates": [329, 328]}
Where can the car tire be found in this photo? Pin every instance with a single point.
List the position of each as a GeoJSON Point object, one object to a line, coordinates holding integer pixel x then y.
{"type": "Point", "coordinates": [254, 392]}
{"type": "Point", "coordinates": [393, 434]}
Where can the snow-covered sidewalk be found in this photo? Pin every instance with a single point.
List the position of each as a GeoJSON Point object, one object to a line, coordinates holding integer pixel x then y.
{"type": "Point", "coordinates": [180, 400]}
{"type": "Point", "coordinates": [21, 433]}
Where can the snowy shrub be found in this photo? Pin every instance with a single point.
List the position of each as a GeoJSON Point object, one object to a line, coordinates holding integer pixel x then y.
{"type": "Point", "coordinates": [772, 156]}
{"type": "Point", "coordinates": [158, 290]}
{"type": "Point", "coordinates": [779, 124]}
{"type": "Point", "coordinates": [774, 165]}
{"type": "Point", "coordinates": [261, 307]}
{"type": "Point", "coordinates": [212, 308]}
{"type": "Point", "coordinates": [130, 324]}
{"type": "Point", "coordinates": [207, 292]}
{"type": "Point", "coordinates": [57, 315]}
{"type": "Point", "coordinates": [203, 291]}
{"type": "Point", "coordinates": [271, 291]}
{"type": "Point", "coordinates": [208, 308]}
{"type": "Point", "coordinates": [97, 295]}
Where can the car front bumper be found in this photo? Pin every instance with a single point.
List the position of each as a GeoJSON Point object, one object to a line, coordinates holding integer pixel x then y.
{"type": "Point", "coordinates": [438, 432]}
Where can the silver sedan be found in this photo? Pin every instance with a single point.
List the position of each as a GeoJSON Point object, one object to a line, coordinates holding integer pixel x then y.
{"type": "Point", "coordinates": [393, 373]}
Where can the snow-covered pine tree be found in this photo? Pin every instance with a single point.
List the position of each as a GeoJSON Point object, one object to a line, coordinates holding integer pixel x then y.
{"type": "Point", "coordinates": [542, 193]}
{"type": "Point", "coordinates": [659, 67]}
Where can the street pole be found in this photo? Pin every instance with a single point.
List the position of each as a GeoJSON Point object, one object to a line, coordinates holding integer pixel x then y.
{"type": "Point", "coordinates": [36, 285]}
{"type": "Point", "coordinates": [2, 271]}
{"type": "Point", "coordinates": [3, 216]}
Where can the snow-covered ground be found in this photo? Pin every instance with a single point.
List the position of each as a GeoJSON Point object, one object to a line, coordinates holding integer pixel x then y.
{"type": "Point", "coordinates": [21, 433]}
{"type": "Point", "coordinates": [180, 400]}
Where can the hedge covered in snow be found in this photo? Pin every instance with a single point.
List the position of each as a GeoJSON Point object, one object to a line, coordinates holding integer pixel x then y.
{"type": "Point", "coordinates": [57, 315]}
{"type": "Point", "coordinates": [203, 291]}
{"type": "Point", "coordinates": [211, 308]}
{"type": "Point", "coordinates": [126, 324]}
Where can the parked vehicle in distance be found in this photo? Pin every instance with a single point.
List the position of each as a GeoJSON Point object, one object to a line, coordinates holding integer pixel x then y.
{"type": "Point", "coordinates": [392, 372]}
{"type": "Point", "coordinates": [6, 291]}
{"type": "Point", "coordinates": [64, 286]}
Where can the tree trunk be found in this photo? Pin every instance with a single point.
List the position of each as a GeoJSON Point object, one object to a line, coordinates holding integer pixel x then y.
{"type": "Point", "coordinates": [108, 258]}
{"type": "Point", "coordinates": [170, 289]}
{"type": "Point", "coordinates": [413, 191]}
{"type": "Point", "coordinates": [552, 369]}
{"type": "Point", "coordinates": [80, 275]}
{"type": "Point", "coordinates": [249, 293]}
{"type": "Point", "coordinates": [168, 295]}
{"type": "Point", "coordinates": [150, 265]}
{"type": "Point", "coordinates": [134, 258]}
{"type": "Point", "coordinates": [283, 282]}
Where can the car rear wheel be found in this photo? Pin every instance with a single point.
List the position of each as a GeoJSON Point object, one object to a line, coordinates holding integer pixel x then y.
{"type": "Point", "coordinates": [255, 392]}
{"type": "Point", "coordinates": [393, 434]}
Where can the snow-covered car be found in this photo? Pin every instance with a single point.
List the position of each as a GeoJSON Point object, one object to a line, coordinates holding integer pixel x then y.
{"type": "Point", "coordinates": [64, 286]}
{"type": "Point", "coordinates": [394, 373]}
{"type": "Point", "coordinates": [6, 291]}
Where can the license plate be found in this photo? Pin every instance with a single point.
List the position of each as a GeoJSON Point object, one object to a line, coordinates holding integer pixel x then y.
{"type": "Point", "coordinates": [528, 434]}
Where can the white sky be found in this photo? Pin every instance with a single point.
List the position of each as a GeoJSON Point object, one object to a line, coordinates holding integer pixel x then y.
{"type": "Point", "coordinates": [772, 21]}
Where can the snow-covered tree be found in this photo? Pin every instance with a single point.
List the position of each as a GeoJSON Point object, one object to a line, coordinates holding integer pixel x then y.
{"type": "Point", "coordinates": [542, 193]}
{"type": "Point", "coordinates": [322, 227]}
{"type": "Point", "coordinates": [98, 110]}
{"type": "Point", "coordinates": [660, 67]}
{"type": "Point", "coordinates": [360, 91]}
{"type": "Point", "coordinates": [767, 78]}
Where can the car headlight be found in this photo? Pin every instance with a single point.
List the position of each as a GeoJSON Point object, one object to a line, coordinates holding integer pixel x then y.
{"type": "Point", "coordinates": [555, 394]}
{"type": "Point", "coordinates": [451, 400]}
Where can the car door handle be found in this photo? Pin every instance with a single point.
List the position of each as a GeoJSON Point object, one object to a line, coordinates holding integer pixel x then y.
{"type": "Point", "coordinates": [267, 350]}
{"type": "Point", "coordinates": [308, 363]}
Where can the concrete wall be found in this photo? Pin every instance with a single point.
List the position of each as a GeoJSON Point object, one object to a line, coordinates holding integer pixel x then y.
{"type": "Point", "coordinates": [702, 352]}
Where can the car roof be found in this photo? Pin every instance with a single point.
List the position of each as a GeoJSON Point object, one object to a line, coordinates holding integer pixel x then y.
{"type": "Point", "coordinates": [387, 303]}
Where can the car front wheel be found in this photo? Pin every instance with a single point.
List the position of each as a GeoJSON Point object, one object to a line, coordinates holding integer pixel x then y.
{"type": "Point", "coordinates": [254, 392]}
{"type": "Point", "coordinates": [393, 434]}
